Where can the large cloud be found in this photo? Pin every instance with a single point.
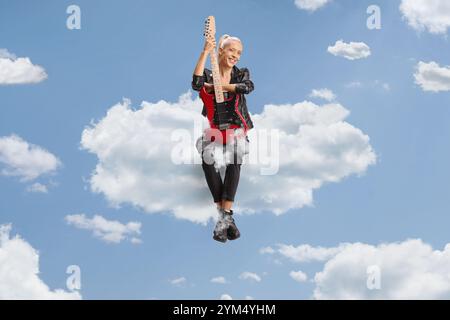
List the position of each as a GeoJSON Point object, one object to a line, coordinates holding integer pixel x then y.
{"type": "Point", "coordinates": [431, 15]}
{"type": "Point", "coordinates": [410, 269]}
{"type": "Point", "coordinates": [24, 160]}
{"type": "Point", "coordinates": [15, 70]}
{"type": "Point", "coordinates": [19, 271]}
{"type": "Point", "coordinates": [134, 148]}
{"type": "Point", "coordinates": [431, 77]}
{"type": "Point", "coordinates": [310, 5]}
{"type": "Point", "coordinates": [350, 51]}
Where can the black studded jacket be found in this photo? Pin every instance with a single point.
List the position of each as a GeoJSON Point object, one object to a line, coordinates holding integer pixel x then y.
{"type": "Point", "coordinates": [240, 77]}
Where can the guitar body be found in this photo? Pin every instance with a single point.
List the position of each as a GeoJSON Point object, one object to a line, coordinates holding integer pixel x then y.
{"type": "Point", "coordinates": [220, 115]}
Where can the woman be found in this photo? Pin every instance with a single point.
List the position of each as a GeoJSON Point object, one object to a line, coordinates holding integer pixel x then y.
{"type": "Point", "coordinates": [236, 81]}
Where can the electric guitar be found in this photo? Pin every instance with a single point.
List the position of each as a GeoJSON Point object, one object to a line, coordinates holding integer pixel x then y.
{"type": "Point", "coordinates": [221, 113]}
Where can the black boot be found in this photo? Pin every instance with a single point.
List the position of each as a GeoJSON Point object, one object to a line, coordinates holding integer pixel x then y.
{"type": "Point", "coordinates": [232, 231]}
{"type": "Point", "coordinates": [220, 230]}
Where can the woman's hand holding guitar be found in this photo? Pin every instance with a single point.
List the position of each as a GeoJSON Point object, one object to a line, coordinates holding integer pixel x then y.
{"type": "Point", "coordinates": [209, 87]}
{"type": "Point", "coordinates": [210, 44]}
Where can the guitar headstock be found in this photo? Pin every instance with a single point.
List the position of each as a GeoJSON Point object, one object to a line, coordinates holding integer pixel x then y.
{"type": "Point", "coordinates": [210, 28]}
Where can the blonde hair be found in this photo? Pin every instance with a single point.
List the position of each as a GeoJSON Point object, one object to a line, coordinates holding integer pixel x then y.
{"type": "Point", "coordinates": [227, 38]}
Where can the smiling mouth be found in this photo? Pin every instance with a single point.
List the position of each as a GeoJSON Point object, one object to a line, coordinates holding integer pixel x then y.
{"type": "Point", "coordinates": [231, 60]}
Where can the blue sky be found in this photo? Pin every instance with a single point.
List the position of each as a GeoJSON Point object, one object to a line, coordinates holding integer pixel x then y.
{"type": "Point", "coordinates": [146, 51]}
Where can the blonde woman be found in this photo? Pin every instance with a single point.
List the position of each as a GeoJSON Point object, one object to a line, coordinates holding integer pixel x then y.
{"type": "Point", "coordinates": [234, 81]}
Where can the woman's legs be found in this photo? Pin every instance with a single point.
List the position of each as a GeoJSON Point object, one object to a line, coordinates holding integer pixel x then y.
{"type": "Point", "coordinates": [230, 185]}
{"type": "Point", "coordinates": [223, 192]}
{"type": "Point", "coordinates": [214, 182]}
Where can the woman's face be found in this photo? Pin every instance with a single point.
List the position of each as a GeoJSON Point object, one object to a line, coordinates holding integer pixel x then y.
{"type": "Point", "coordinates": [230, 54]}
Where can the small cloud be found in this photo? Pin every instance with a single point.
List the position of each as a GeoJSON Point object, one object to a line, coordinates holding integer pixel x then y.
{"type": "Point", "coordinates": [307, 253]}
{"type": "Point", "coordinates": [37, 187]}
{"type": "Point", "coordinates": [298, 276]}
{"type": "Point", "coordinates": [220, 280]}
{"type": "Point", "coordinates": [372, 85]}
{"type": "Point", "coordinates": [5, 54]}
{"type": "Point", "coordinates": [432, 77]}
{"type": "Point", "coordinates": [311, 5]}
{"type": "Point", "coordinates": [350, 51]}
{"type": "Point", "coordinates": [249, 298]}
{"type": "Point", "coordinates": [250, 276]}
{"type": "Point", "coordinates": [136, 240]}
{"type": "Point", "coordinates": [25, 160]}
{"type": "Point", "coordinates": [106, 230]}
{"type": "Point", "coordinates": [267, 250]}
{"type": "Point", "coordinates": [225, 297]}
{"type": "Point", "coordinates": [383, 85]}
{"type": "Point", "coordinates": [325, 94]}
{"type": "Point", "coordinates": [15, 70]}
{"type": "Point", "coordinates": [354, 84]}
{"type": "Point", "coordinates": [178, 281]}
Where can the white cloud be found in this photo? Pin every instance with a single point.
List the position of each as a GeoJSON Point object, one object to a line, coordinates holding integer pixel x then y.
{"type": "Point", "coordinates": [19, 271]}
{"type": "Point", "coordinates": [25, 160]}
{"type": "Point", "coordinates": [298, 276]}
{"type": "Point", "coordinates": [410, 269]}
{"type": "Point", "coordinates": [430, 15]}
{"type": "Point", "coordinates": [354, 84]}
{"type": "Point", "coordinates": [431, 77]}
{"type": "Point", "coordinates": [350, 51]}
{"type": "Point", "coordinates": [325, 94]}
{"type": "Point", "coordinates": [15, 70]}
{"type": "Point", "coordinates": [267, 250]}
{"type": "Point", "coordinates": [311, 5]}
{"type": "Point", "coordinates": [220, 280]}
{"type": "Point", "coordinates": [372, 85]}
{"type": "Point", "coordinates": [37, 187]}
{"type": "Point", "coordinates": [225, 297]}
{"type": "Point", "coordinates": [178, 281]}
{"type": "Point", "coordinates": [5, 54]}
{"type": "Point", "coordinates": [250, 276]}
{"type": "Point", "coordinates": [249, 298]}
{"type": "Point", "coordinates": [134, 150]}
{"type": "Point", "coordinates": [135, 240]}
{"type": "Point", "coordinates": [307, 253]}
{"type": "Point", "coordinates": [106, 230]}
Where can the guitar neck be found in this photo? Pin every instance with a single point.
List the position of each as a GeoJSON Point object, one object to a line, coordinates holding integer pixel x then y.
{"type": "Point", "coordinates": [216, 77]}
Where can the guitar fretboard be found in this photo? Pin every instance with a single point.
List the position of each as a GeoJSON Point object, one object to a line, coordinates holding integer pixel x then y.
{"type": "Point", "coordinates": [216, 77]}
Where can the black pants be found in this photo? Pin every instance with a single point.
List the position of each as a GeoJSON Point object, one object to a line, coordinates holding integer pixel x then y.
{"type": "Point", "coordinates": [225, 190]}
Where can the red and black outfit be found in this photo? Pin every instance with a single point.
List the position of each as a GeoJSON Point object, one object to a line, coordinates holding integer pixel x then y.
{"type": "Point", "coordinates": [226, 190]}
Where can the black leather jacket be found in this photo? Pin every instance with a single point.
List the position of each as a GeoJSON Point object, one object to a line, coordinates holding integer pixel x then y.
{"type": "Point", "coordinates": [241, 77]}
